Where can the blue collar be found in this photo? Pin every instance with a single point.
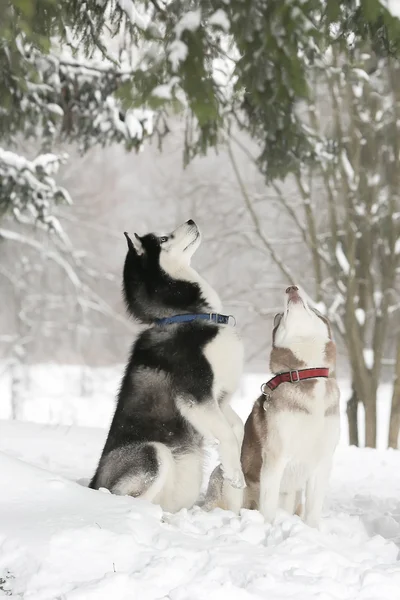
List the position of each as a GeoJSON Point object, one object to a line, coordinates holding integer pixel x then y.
{"type": "Point", "coordinates": [214, 317]}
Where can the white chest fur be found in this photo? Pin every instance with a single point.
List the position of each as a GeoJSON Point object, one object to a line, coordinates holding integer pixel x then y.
{"type": "Point", "coordinates": [311, 351]}
{"type": "Point", "coordinates": [225, 355]}
{"type": "Point", "coordinates": [306, 439]}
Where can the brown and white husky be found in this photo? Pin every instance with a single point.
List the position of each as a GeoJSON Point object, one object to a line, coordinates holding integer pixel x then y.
{"type": "Point", "coordinates": [293, 429]}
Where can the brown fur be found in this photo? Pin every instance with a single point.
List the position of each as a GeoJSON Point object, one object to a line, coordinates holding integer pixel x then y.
{"type": "Point", "coordinates": [333, 394]}
{"type": "Point", "coordinates": [283, 359]}
{"type": "Point", "coordinates": [255, 431]}
{"type": "Point", "coordinates": [281, 399]}
{"type": "Point", "coordinates": [330, 356]}
{"type": "Point", "coordinates": [284, 401]}
{"type": "Point", "coordinates": [258, 440]}
{"type": "Point", "coordinates": [332, 410]}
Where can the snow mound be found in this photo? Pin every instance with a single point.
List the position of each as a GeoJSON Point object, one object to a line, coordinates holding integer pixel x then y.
{"type": "Point", "coordinates": [59, 539]}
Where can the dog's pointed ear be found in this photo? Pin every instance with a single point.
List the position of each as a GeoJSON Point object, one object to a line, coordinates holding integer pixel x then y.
{"type": "Point", "coordinates": [135, 245]}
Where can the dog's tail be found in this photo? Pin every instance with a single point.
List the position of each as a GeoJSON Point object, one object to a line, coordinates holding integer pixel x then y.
{"type": "Point", "coordinates": [146, 474]}
{"type": "Point", "coordinates": [166, 466]}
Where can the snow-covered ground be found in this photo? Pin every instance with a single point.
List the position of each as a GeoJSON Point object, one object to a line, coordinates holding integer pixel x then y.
{"type": "Point", "coordinates": [60, 540]}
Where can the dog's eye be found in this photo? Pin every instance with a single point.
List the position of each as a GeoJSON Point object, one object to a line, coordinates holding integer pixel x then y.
{"type": "Point", "coordinates": [163, 239]}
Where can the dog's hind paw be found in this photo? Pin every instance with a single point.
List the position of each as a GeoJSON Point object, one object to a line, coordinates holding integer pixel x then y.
{"type": "Point", "coordinates": [235, 477]}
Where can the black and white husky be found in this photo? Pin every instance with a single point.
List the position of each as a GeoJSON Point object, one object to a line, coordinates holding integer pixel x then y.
{"type": "Point", "coordinates": [177, 385]}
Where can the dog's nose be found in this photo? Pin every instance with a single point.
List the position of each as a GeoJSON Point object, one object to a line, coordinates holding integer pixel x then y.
{"type": "Point", "coordinates": [190, 222]}
{"type": "Point", "coordinates": [291, 289]}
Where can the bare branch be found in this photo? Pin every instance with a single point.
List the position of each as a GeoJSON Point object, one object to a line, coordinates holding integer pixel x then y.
{"type": "Point", "coordinates": [256, 222]}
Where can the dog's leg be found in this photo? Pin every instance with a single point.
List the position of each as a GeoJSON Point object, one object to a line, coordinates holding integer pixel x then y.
{"type": "Point", "coordinates": [270, 480]}
{"type": "Point", "coordinates": [221, 494]}
{"type": "Point", "coordinates": [208, 419]}
{"type": "Point", "coordinates": [235, 422]}
{"type": "Point", "coordinates": [315, 493]}
{"type": "Point", "coordinates": [299, 508]}
{"type": "Point", "coordinates": [251, 496]}
{"type": "Point", "coordinates": [232, 496]}
{"type": "Point", "coordinates": [287, 502]}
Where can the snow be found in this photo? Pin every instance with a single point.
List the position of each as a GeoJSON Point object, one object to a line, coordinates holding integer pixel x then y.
{"type": "Point", "coordinates": [49, 162]}
{"type": "Point", "coordinates": [360, 316]}
{"type": "Point", "coordinates": [31, 188]}
{"type": "Point", "coordinates": [358, 90]}
{"type": "Point", "coordinates": [13, 160]}
{"type": "Point", "coordinates": [348, 169]}
{"type": "Point", "coordinates": [321, 307]}
{"type": "Point", "coordinates": [55, 109]}
{"type": "Point", "coordinates": [178, 50]}
{"type": "Point", "coordinates": [397, 246]}
{"type": "Point", "coordinates": [17, 166]}
{"type": "Point", "coordinates": [137, 123]}
{"type": "Point", "coordinates": [189, 22]}
{"type": "Point", "coordinates": [393, 7]}
{"type": "Point", "coordinates": [128, 6]}
{"type": "Point", "coordinates": [177, 53]}
{"type": "Point", "coordinates": [220, 19]}
{"type": "Point", "coordinates": [368, 357]}
{"type": "Point", "coordinates": [361, 74]}
{"type": "Point", "coordinates": [373, 179]}
{"type": "Point", "coordinates": [133, 125]}
{"type": "Point", "coordinates": [62, 540]}
{"type": "Point", "coordinates": [59, 539]}
{"type": "Point", "coordinates": [341, 258]}
{"type": "Point", "coordinates": [165, 91]}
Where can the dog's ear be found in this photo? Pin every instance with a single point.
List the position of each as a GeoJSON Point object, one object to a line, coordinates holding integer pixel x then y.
{"type": "Point", "coordinates": [135, 245]}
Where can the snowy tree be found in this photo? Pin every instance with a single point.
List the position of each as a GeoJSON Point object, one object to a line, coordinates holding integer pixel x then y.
{"type": "Point", "coordinates": [114, 71]}
{"type": "Point", "coordinates": [394, 426]}
{"type": "Point", "coordinates": [57, 84]}
{"type": "Point", "coordinates": [347, 213]}
{"type": "Point", "coordinates": [94, 71]}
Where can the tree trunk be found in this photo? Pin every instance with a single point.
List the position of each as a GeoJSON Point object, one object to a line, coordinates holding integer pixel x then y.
{"type": "Point", "coordinates": [394, 426]}
{"type": "Point", "coordinates": [370, 420]}
{"type": "Point", "coordinates": [352, 418]}
{"type": "Point", "coordinates": [17, 380]}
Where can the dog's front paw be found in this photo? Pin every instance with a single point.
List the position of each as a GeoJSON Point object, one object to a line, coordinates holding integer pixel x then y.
{"type": "Point", "coordinates": [312, 521]}
{"type": "Point", "coordinates": [235, 477]}
{"type": "Point", "coordinates": [267, 509]}
{"type": "Point", "coordinates": [268, 514]}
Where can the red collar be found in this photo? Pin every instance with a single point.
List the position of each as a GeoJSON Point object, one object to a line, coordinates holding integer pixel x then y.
{"type": "Point", "coordinates": [293, 377]}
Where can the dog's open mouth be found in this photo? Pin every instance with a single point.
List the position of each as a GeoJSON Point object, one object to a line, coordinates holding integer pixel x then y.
{"type": "Point", "coordinates": [296, 300]}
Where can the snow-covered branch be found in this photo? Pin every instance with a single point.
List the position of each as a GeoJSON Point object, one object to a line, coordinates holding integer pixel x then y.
{"type": "Point", "coordinates": [28, 187]}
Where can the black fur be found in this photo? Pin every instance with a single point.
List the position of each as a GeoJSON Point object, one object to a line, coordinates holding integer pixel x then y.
{"type": "Point", "coordinates": [166, 362]}
{"type": "Point", "coordinates": [149, 292]}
